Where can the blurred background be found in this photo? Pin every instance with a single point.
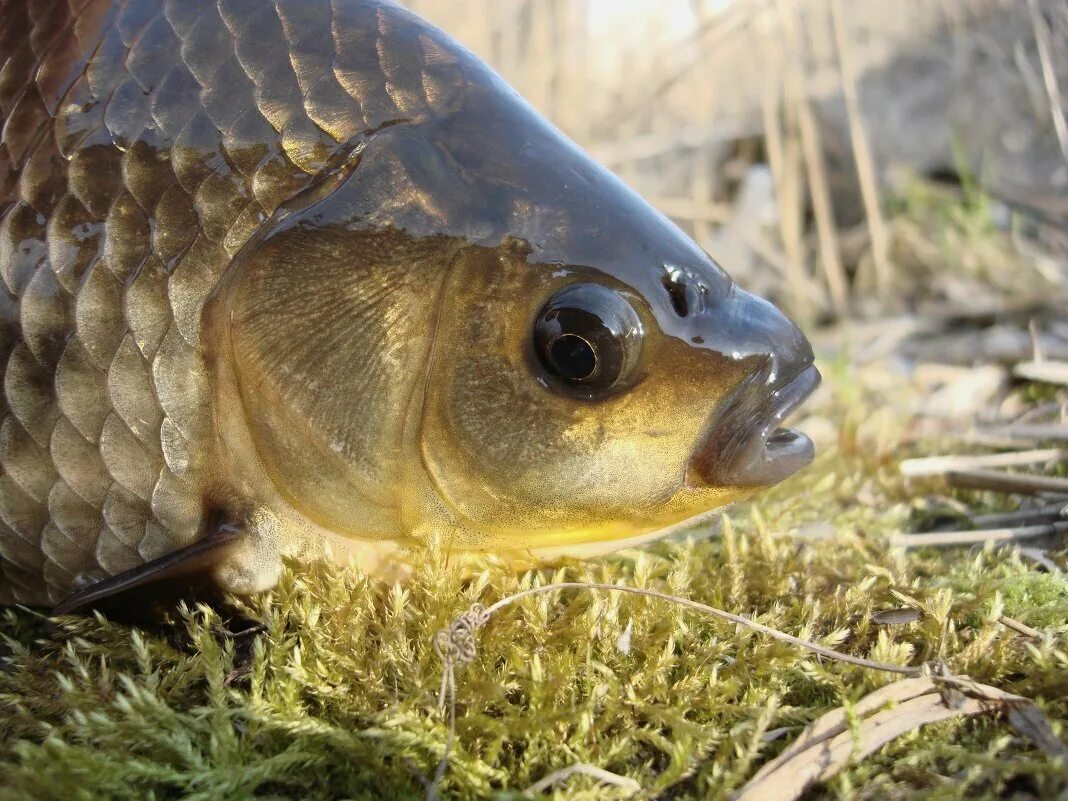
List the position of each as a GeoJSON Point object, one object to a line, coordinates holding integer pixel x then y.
{"type": "Point", "coordinates": [849, 159]}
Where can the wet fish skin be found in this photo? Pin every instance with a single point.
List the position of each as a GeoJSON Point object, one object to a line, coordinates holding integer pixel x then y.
{"type": "Point", "coordinates": [280, 275]}
{"type": "Point", "coordinates": [143, 144]}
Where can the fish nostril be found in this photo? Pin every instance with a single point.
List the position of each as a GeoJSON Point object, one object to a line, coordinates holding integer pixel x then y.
{"type": "Point", "coordinates": [689, 293]}
{"type": "Point", "coordinates": [676, 289]}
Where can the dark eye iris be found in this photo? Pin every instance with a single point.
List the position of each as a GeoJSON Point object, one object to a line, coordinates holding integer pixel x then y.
{"type": "Point", "coordinates": [588, 338]}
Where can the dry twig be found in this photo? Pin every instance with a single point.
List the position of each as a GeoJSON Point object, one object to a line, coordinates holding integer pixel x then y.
{"type": "Point", "coordinates": [929, 539]}
{"type": "Point", "coordinates": [1019, 483]}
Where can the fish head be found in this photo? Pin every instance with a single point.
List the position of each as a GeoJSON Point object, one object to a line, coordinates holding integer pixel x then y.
{"type": "Point", "coordinates": [566, 371]}
{"type": "Point", "coordinates": [597, 378]}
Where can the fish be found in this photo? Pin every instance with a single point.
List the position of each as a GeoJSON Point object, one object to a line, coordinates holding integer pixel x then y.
{"type": "Point", "coordinates": [306, 278]}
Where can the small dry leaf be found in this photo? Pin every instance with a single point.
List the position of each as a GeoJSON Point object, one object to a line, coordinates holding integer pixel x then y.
{"type": "Point", "coordinates": [623, 642]}
{"type": "Point", "coordinates": [829, 743]}
{"type": "Point", "coordinates": [896, 617]}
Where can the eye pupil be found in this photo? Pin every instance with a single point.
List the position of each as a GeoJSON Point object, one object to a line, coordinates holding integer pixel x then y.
{"type": "Point", "coordinates": [573, 357]}
{"type": "Point", "coordinates": [587, 339]}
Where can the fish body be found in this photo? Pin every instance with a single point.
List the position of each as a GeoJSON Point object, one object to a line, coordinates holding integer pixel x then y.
{"type": "Point", "coordinates": [283, 274]}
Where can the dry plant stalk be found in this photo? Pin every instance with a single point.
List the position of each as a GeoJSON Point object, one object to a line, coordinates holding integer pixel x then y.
{"type": "Point", "coordinates": [1049, 75]}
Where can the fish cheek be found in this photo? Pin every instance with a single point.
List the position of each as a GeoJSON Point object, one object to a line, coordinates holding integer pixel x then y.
{"type": "Point", "coordinates": [515, 458]}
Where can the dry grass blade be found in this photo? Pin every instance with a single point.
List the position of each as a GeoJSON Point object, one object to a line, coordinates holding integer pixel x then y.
{"type": "Point", "coordinates": [1048, 372]}
{"type": "Point", "coordinates": [865, 162]}
{"type": "Point", "coordinates": [824, 755]}
{"type": "Point", "coordinates": [940, 465]}
{"type": "Point", "coordinates": [1029, 721]}
{"type": "Point", "coordinates": [836, 721]}
{"type": "Point", "coordinates": [976, 536]}
{"type": "Point", "coordinates": [582, 769]}
{"type": "Point", "coordinates": [830, 743]}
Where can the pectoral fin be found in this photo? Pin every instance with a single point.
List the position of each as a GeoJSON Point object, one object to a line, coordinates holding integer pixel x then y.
{"type": "Point", "coordinates": [186, 573]}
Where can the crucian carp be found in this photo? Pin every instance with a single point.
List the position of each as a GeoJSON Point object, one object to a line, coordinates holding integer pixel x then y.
{"type": "Point", "coordinates": [277, 274]}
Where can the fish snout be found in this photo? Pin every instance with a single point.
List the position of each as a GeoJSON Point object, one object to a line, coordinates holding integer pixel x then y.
{"type": "Point", "coordinates": [760, 328]}
{"type": "Point", "coordinates": [747, 445]}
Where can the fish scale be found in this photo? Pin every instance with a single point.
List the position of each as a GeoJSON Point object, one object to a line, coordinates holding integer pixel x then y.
{"type": "Point", "coordinates": [143, 144]}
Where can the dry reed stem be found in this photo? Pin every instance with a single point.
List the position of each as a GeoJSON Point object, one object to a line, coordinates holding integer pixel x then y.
{"type": "Point", "coordinates": [1049, 76]}
{"type": "Point", "coordinates": [783, 156]}
{"type": "Point", "coordinates": [866, 174]}
{"type": "Point", "coordinates": [819, 189]}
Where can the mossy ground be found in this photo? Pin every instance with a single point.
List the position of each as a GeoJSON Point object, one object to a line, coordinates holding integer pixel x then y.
{"type": "Point", "coordinates": [331, 693]}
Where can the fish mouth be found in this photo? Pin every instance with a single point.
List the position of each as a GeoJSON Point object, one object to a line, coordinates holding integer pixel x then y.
{"type": "Point", "coordinates": [748, 446]}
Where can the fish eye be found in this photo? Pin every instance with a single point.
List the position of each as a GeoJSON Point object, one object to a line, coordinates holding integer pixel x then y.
{"type": "Point", "coordinates": [588, 338]}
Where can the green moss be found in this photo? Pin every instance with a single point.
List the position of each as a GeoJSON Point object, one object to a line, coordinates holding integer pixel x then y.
{"type": "Point", "coordinates": [331, 691]}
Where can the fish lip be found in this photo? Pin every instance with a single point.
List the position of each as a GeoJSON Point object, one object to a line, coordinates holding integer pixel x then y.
{"type": "Point", "coordinates": [747, 447]}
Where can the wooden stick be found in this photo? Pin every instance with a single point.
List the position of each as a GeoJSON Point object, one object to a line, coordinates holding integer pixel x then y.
{"type": "Point", "coordinates": [1022, 483]}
